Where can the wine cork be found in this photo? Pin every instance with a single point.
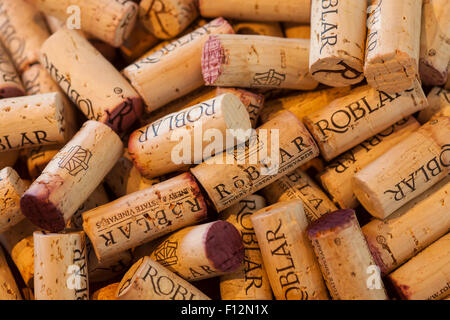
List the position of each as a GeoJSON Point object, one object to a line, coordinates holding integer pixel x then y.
{"type": "Point", "coordinates": [99, 91]}
{"type": "Point", "coordinates": [60, 266]}
{"type": "Point", "coordinates": [22, 32]}
{"type": "Point", "coordinates": [427, 275]}
{"type": "Point", "coordinates": [124, 178]}
{"type": "Point", "coordinates": [166, 19]}
{"type": "Point", "coordinates": [338, 37]}
{"type": "Point", "coordinates": [18, 241]}
{"type": "Point", "coordinates": [393, 44]}
{"type": "Point", "coordinates": [195, 97]}
{"type": "Point", "coordinates": [157, 77]}
{"type": "Point", "coordinates": [297, 30]}
{"type": "Point", "coordinates": [350, 120]}
{"type": "Point", "coordinates": [405, 171]}
{"type": "Point", "coordinates": [254, 61]}
{"type": "Point", "coordinates": [195, 25]}
{"type": "Point", "coordinates": [257, 10]}
{"type": "Point", "coordinates": [293, 271]}
{"type": "Point", "coordinates": [71, 176]}
{"type": "Point", "coordinates": [109, 21]}
{"type": "Point", "coordinates": [11, 189]}
{"type": "Point", "coordinates": [144, 215]}
{"type": "Point", "coordinates": [156, 148]}
{"type": "Point", "coordinates": [252, 282]}
{"type": "Point", "coordinates": [411, 228]}
{"type": "Point", "coordinates": [110, 268]}
{"type": "Point", "coordinates": [138, 43]}
{"type": "Point", "coordinates": [106, 293]}
{"type": "Point", "coordinates": [239, 172]}
{"type": "Point", "coordinates": [8, 158]}
{"type": "Point", "coordinates": [253, 102]}
{"type": "Point", "coordinates": [39, 157]}
{"type": "Point", "coordinates": [434, 43]}
{"type": "Point", "coordinates": [345, 260]}
{"type": "Point", "coordinates": [10, 84]}
{"type": "Point", "coordinates": [444, 112]}
{"type": "Point", "coordinates": [271, 29]}
{"type": "Point", "coordinates": [53, 23]}
{"type": "Point", "coordinates": [8, 286]}
{"type": "Point", "coordinates": [337, 177]}
{"type": "Point", "coordinates": [97, 198]}
{"type": "Point", "coordinates": [438, 105]}
{"type": "Point", "coordinates": [37, 80]}
{"type": "Point", "coordinates": [148, 280]}
{"type": "Point", "coordinates": [201, 252]}
{"type": "Point", "coordinates": [298, 185]}
{"type": "Point", "coordinates": [302, 104]}
{"type": "Point", "coordinates": [32, 121]}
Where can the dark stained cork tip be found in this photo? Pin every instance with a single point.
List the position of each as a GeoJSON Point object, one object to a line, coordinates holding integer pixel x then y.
{"type": "Point", "coordinates": [123, 116]}
{"type": "Point", "coordinates": [11, 92]}
{"type": "Point", "coordinates": [330, 221]}
{"type": "Point", "coordinates": [37, 207]}
{"type": "Point", "coordinates": [430, 76]}
{"type": "Point", "coordinates": [224, 246]}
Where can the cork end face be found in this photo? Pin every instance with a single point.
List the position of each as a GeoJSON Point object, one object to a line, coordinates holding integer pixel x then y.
{"type": "Point", "coordinates": [364, 193]}
{"type": "Point", "coordinates": [430, 76]}
{"type": "Point", "coordinates": [224, 246]}
{"type": "Point", "coordinates": [330, 221]}
{"type": "Point", "coordinates": [126, 24]}
{"type": "Point", "coordinates": [403, 72]}
{"type": "Point", "coordinates": [11, 92]}
{"type": "Point", "coordinates": [212, 57]}
{"type": "Point", "coordinates": [235, 113]}
{"type": "Point", "coordinates": [123, 116]}
{"type": "Point", "coordinates": [37, 207]}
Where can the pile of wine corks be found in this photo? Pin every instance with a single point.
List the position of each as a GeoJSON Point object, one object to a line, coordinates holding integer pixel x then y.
{"type": "Point", "coordinates": [222, 149]}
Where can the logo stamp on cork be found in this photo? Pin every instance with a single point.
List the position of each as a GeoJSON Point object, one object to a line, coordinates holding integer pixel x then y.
{"type": "Point", "coordinates": [270, 77]}
{"type": "Point", "coordinates": [76, 160]}
{"type": "Point", "coordinates": [166, 253]}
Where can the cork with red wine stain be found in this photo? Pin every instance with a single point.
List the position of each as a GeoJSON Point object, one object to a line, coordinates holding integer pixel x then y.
{"type": "Point", "coordinates": [201, 252]}
{"type": "Point", "coordinates": [71, 176]}
{"type": "Point", "coordinates": [212, 59]}
{"type": "Point", "coordinates": [330, 222]}
{"type": "Point", "coordinates": [124, 115]}
{"type": "Point", "coordinates": [430, 76]}
{"type": "Point", "coordinates": [224, 246]}
{"type": "Point", "coordinates": [11, 92]}
{"type": "Point", "coordinates": [39, 209]}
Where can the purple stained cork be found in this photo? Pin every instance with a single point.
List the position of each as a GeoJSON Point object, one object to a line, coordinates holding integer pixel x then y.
{"type": "Point", "coordinates": [212, 57]}
{"type": "Point", "coordinates": [11, 92]}
{"type": "Point", "coordinates": [123, 116]}
{"type": "Point", "coordinates": [330, 221]}
{"type": "Point", "coordinates": [224, 247]}
{"type": "Point", "coordinates": [35, 204]}
{"type": "Point", "coordinates": [430, 76]}
{"type": "Point", "coordinates": [376, 254]}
